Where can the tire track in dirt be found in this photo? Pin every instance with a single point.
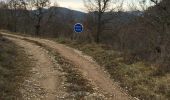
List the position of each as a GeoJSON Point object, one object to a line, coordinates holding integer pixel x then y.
{"type": "Point", "coordinates": [53, 77]}
{"type": "Point", "coordinates": [44, 82]}
{"type": "Point", "coordinates": [89, 69]}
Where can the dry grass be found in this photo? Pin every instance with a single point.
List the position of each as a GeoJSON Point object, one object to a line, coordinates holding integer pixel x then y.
{"type": "Point", "coordinates": [138, 78]}
{"type": "Point", "coordinates": [14, 67]}
{"type": "Point", "coordinates": [77, 85]}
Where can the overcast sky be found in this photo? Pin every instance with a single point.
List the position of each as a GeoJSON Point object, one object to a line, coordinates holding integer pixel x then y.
{"type": "Point", "coordinates": [72, 4]}
{"type": "Point", "coordinates": [78, 4]}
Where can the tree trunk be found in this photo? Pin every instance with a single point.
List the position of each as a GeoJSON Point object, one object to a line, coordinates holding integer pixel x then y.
{"type": "Point", "coordinates": [164, 44]}
{"type": "Point", "coordinates": [15, 18]}
{"type": "Point", "coordinates": [98, 28]}
{"type": "Point", "coordinates": [37, 29]}
{"type": "Point", "coordinates": [38, 26]}
{"type": "Point", "coordinates": [15, 24]}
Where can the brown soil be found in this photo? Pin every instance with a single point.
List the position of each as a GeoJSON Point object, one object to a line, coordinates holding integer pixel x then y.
{"type": "Point", "coordinates": [89, 69]}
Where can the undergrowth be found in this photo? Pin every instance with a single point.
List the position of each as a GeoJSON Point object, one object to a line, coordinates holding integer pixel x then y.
{"type": "Point", "coordinates": [138, 78]}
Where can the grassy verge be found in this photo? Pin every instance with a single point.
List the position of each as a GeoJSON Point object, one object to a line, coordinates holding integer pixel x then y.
{"type": "Point", "coordinates": [138, 78]}
{"type": "Point", "coordinates": [14, 67]}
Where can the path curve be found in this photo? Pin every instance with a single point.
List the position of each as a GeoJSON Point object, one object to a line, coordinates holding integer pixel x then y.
{"type": "Point", "coordinates": [44, 81]}
{"type": "Point", "coordinates": [91, 70]}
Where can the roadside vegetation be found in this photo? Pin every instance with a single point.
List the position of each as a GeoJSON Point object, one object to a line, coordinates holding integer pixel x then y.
{"type": "Point", "coordinates": [142, 79]}
{"type": "Point", "coordinates": [14, 67]}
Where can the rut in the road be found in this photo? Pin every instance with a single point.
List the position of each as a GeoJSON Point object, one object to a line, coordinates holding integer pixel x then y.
{"type": "Point", "coordinates": [53, 77]}
{"type": "Point", "coordinates": [44, 82]}
{"type": "Point", "coordinates": [89, 69]}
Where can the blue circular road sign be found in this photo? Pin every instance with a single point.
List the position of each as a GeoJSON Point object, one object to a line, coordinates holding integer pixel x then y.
{"type": "Point", "coordinates": [78, 28]}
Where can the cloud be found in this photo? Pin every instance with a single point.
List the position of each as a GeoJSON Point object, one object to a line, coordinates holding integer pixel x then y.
{"type": "Point", "coordinates": [72, 4]}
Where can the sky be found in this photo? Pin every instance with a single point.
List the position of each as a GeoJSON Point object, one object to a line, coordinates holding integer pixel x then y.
{"type": "Point", "coordinates": [72, 4]}
{"type": "Point", "coordinates": [79, 5]}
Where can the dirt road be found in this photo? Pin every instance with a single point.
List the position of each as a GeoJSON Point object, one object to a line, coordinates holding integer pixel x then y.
{"type": "Point", "coordinates": [88, 68]}
{"type": "Point", "coordinates": [43, 83]}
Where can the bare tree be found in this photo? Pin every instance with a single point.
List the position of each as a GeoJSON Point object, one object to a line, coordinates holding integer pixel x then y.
{"type": "Point", "coordinates": [161, 15]}
{"type": "Point", "coordinates": [99, 8]}
{"type": "Point", "coordinates": [3, 5]}
{"type": "Point", "coordinates": [14, 7]}
{"type": "Point", "coordinates": [3, 15]}
{"type": "Point", "coordinates": [39, 6]}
